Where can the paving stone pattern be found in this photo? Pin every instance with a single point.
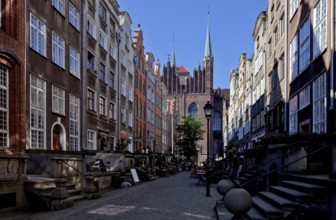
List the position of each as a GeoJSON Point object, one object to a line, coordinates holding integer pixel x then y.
{"type": "Point", "coordinates": [167, 198]}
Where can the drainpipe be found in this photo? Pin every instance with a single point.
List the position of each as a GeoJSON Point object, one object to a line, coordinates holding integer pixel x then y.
{"type": "Point", "coordinates": [285, 70]}
{"type": "Point", "coordinates": [82, 73]}
{"type": "Point", "coordinates": [332, 96]}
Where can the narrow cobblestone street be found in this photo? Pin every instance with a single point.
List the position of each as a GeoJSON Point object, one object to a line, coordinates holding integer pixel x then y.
{"type": "Point", "coordinates": [175, 197]}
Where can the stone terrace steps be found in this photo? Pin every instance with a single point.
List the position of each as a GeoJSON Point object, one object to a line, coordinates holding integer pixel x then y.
{"type": "Point", "coordinates": [292, 194]}
{"type": "Point", "coordinates": [266, 208]}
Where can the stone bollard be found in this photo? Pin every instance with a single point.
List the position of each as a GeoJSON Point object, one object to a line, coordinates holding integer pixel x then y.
{"type": "Point", "coordinates": [90, 187]}
{"type": "Point", "coordinates": [223, 186]}
{"type": "Point", "coordinates": [238, 201]}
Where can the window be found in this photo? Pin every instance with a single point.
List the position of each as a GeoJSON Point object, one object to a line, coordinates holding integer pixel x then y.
{"type": "Point", "coordinates": [57, 50]}
{"type": "Point", "coordinates": [319, 105]}
{"type": "Point", "coordinates": [123, 87]}
{"type": "Point", "coordinates": [304, 45]}
{"type": "Point", "coordinates": [111, 80]}
{"type": "Point", "coordinates": [130, 118]}
{"type": "Point", "coordinates": [193, 109]}
{"type": "Point", "coordinates": [217, 122]}
{"type": "Point", "coordinates": [320, 28]}
{"type": "Point", "coordinates": [123, 115]}
{"type": "Point", "coordinates": [73, 16]}
{"type": "Point", "coordinates": [91, 27]}
{"type": "Point", "coordinates": [102, 72]}
{"type": "Point", "coordinates": [293, 115]}
{"type": "Point", "coordinates": [102, 13]}
{"type": "Point", "coordinates": [91, 140]}
{"type": "Point", "coordinates": [282, 25]}
{"type": "Point", "coordinates": [305, 97]}
{"type": "Point", "coordinates": [90, 62]}
{"type": "Point", "coordinates": [91, 96]}
{"type": "Point", "coordinates": [102, 40]}
{"type": "Point", "coordinates": [37, 112]}
{"type": "Point", "coordinates": [102, 106]}
{"type": "Point", "coordinates": [4, 107]}
{"type": "Point", "coordinates": [112, 110]}
{"type": "Point", "coordinates": [74, 62]}
{"type": "Point", "coordinates": [275, 77]}
{"type": "Point", "coordinates": [59, 5]}
{"type": "Point", "coordinates": [276, 37]}
{"type": "Point", "coordinates": [58, 100]}
{"type": "Point", "coordinates": [269, 48]}
{"type": "Point", "coordinates": [293, 7]}
{"type": "Point", "coordinates": [74, 119]}
{"type": "Point", "coordinates": [293, 56]}
{"type": "Point", "coordinates": [38, 35]}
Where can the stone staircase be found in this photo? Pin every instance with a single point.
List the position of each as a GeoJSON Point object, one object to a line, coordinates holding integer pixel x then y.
{"type": "Point", "coordinates": [292, 199]}
{"type": "Point", "coordinates": [51, 193]}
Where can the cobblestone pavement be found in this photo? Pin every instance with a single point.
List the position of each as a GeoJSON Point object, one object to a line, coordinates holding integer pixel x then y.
{"type": "Point", "coordinates": [167, 198]}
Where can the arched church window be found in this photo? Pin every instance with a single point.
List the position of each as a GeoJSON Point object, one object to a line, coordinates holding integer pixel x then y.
{"type": "Point", "coordinates": [217, 122]}
{"type": "Point", "coordinates": [193, 109]}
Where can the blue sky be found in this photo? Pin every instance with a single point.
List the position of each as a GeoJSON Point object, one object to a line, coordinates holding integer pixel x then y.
{"type": "Point", "coordinates": [182, 24]}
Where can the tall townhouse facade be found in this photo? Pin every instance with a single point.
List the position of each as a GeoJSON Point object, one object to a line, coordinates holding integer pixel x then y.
{"type": "Point", "coordinates": [127, 78]}
{"type": "Point", "coordinates": [276, 78]}
{"type": "Point", "coordinates": [311, 43]}
{"type": "Point", "coordinates": [140, 92]}
{"type": "Point", "coordinates": [53, 82]}
{"type": "Point", "coordinates": [165, 117]}
{"type": "Point", "coordinates": [108, 76]}
{"type": "Point", "coordinates": [100, 71]}
{"type": "Point", "coordinates": [258, 78]}
{"type": "Point", "coordinates": [12, 105]}
{"type": "Point", "coordinates": [150, 105]}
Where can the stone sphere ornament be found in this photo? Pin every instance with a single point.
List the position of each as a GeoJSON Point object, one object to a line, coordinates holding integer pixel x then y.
{"type": "Point", "coordinates": [238, 201]}
{"type": "Point", "coordinates": [224, 185]}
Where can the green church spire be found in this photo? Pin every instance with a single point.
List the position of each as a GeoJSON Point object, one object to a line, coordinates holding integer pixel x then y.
{"type": "Point", "coordinates": [208, 51]}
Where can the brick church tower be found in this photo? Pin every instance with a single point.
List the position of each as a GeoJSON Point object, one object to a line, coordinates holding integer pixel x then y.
{"type": "Point", "coordinates": [191, 92]}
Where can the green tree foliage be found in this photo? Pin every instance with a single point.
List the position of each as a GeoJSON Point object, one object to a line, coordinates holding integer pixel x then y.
{"type": "Point", "coordinates": [190, 132]}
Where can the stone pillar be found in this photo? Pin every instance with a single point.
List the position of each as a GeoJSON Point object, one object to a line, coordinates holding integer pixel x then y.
{"type": "Point", "coordinates": [60, 192]}
{"type": "Point", "coordinates": [90, 187]}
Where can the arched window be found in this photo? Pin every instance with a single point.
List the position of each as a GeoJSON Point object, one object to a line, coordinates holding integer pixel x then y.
{"type": "Point", "coordinates": [217, 122]}
{"type": "Point", "coordinates": [193, 109]}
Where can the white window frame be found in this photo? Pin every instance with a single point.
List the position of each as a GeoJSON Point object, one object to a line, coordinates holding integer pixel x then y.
{"type": "Point", "coordinates": [102, 71]}
{"type": "Point", "coordinates": [293, 116]}
{"type": "Point", "coordinates": [123, 86]}
{"type": "Point", "coordinates": [74, 58]}
{"type": "Point", "coordinates": [74, 16]}
{"type": "Point", "coordinates": [320, 28]}
{"type": "Point", "coordinates": [58, 50]}
{"type": "Point", "coordinates": [304, 97]}
{"type": "Point", "coordinates": [130, 118]}
{"type": "Point", "coordinates": [304, 59]}
{"type": "Point", "coordinates": [37, 42]}
{"type": "Point", "coordinates": [102, 40]}
{"type": "Point", "coordinates": [91, 140]}
{"type": "Point", "coordinates": [93, 100]}
{"type": "Point", "coordinates": [58, 100]}
{"type": "Point", "coordinates": [293, 56]}
{"type": "Point", "coordinates": [38, 110]}
{"type": "Point", "coordinates": [74, 123]}
{"type": "Point", "coordinates": [112, 111]}
{"type": "Point", "coordinates": [102, 105]}
{"type": "Point", "coordinates": [294, 4]}
{"type": "Point", "coordinates": [59, 6]}
{"type": "Point", "coordinates": [4, 108]}
{"type": "Point", "coordinates": [102, 12]}
{"type": "Point", "coordinates": [319, 105]}
{"type": "Point", "coordinates": [91, 29]}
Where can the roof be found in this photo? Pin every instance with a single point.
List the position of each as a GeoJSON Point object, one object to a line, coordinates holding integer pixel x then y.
{"type": "Point", "coordinates": [181, 69]}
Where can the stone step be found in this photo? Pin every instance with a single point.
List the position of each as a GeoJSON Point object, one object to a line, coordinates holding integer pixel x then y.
{"type": "Point", "coordinates": [75, 198]}
{"type": "Point", "coordinates": [306, 187]}
{"type": "Point", "coordinates": [255, 214]}
{"type": "Point", "coordinates": [74, 191]}
{"type": "Point", "coordinates": [223, 213]}
{"type": "Point", "coordinates": [267, 208]}
{"type": "Point", "coordinates": [279, 201]}
{"type": "Point", "coordinates": [292, 194]}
